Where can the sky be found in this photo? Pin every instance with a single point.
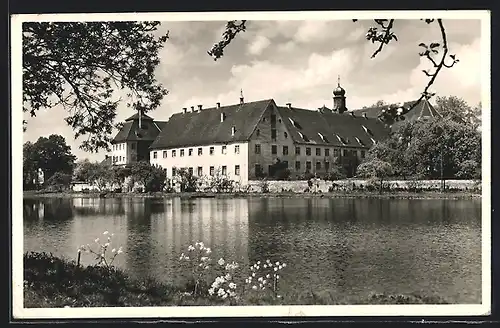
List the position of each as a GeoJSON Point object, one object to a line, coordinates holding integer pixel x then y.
{"type": "Point", "coordinates": [297, 62]}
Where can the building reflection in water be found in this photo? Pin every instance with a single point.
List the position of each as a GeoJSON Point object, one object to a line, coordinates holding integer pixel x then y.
{"type": "Point", "coordinates": [221, 224]}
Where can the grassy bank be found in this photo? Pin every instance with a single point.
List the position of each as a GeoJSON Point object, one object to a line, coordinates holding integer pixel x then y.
{"type": "Point", "coordinates": [54, 282]}
{"type": "Point", "coordinates": [337, 194]}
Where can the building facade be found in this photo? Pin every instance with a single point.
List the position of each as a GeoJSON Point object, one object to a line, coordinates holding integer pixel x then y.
{"type": "Point", "coordinates": [248, 141]}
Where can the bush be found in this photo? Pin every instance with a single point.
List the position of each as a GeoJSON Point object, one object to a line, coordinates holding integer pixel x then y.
{"type": "Point", "coordinates": [59, 181]}
{"type": "Point", "coordinates": [187, 181]}
{"type": "Point", "coordinates": [152, 177]}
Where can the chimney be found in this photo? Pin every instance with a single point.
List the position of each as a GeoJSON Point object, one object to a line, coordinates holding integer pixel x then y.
{"type": "Point", "coordinates": [185, 110]}
{"type": "Point", "coordinates": [242, 100]}
{"type": "Point", "coordinates": [140, 118]}
{"type": "Point", "coordinates": [289, 105]}
{"type": "Point", "coordinates": [233, 131]}
{"type": "Point", "coordinates": [364, 115]}
{"type": "Point", "coordinates": [222, 117]}
{"type": "Point", "coordinates": [192, 109]}
{"type": "Point", "coordinates": [218, 105]}
{"type": "Point", "coordinates": [199, 107]}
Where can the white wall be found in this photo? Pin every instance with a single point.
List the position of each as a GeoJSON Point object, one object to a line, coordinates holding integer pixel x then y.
{"type": "Point", "coordinates": [121, 153]}
{"type": "Point", "coordinates": [230, 159]}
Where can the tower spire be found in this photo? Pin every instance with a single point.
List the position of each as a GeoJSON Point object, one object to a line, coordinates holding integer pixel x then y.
{"type": "Point", "coordinates": [242, 100]}
{"type": "Point", "coordinates": [338, 80]}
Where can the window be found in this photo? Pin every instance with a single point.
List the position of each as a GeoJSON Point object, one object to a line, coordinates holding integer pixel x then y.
{"type": "Point", "coordinates": [174, 153]}
{"type": "Point", "coordinates": [327, 166]}
{"type": "Point", "coordinates": [200, 171]}
{"type": "Point", "coordinates": [335, 152]}
{"type": "Point", "coordinates": [274, 149]}
{"type": "Point", "coordinates": [273, 134]}
{"type": "Point", "coordinates": [257, 149]}
{"type": "Point", "coordinates": [279, 120]}
{"type": "Point", "coordinates": [155, 154]}
{"type": "Point", "coordinates": [308, 165]}
{"type": "Point", "coordinates": [257, 132]}
{"type": "Point", "coordinates": [174, 171]}
{"type": "Point", "coordinates": [285, 135]}
{"type": "Point", "coordinates": [318, 165]}
{"type": "Point", "coordinates": [285, 150]}
{"type": "Point", "coordinates": [273, 119]}
{"type": "Point", "coordinates": [285, 164]}
{"type": "Point", "coordinates": [212, 149]}
{"type": "Point", "coordinates": [297, 150]}
{"type": "Point", "coordinates": [164, 154]}
{"type": "Point", "coordinates": [200, 151]}
{"type": "Point", "coordinates": [327, 152]}
{"type": "Point", "coordinates": [344, 152]}
{"type": "Point", "coordinates": [182, 152]}
{"type": "Point", "coordinates": [224, 149]}
{"type": "Point", "coordinates": [297, 166]}
{"type": "Point", "coordinates": [258, 170]}
{"type": "Point", "coordinates": [224, 170]}
{"type": "Point", "coordinates": [363, 153]}
{"type": "Point", "coordinates": [236, 170]}
{"type": "Point", "coordinates": [308, 151]}
{"type": "Point", "coordinates": [303, 136]}
{"type": "Point", "coordinates": [212, 170]}
{"type": "Point", "coordinates": [190, 170]}
{"type": "Point", "coordinates": [132, 145]}
{"type": "Point", "coordinates": [237, 149]}
{"type": "Point", "coordinates": [318, 151]}
{"type": "Point", "coordinates": [190, 152]}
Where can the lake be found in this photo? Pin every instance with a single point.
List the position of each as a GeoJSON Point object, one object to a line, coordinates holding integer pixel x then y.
{"type": "Point", "coordinates": [351, 247]}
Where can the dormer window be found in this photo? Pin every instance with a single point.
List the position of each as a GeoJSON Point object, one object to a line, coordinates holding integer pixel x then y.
{"type": "Point", "coordinates": [342, 140]}
{"type": "Point", "coordinates": [295, 124]}
{"type": "Point", "coordinates": [323, 138]}
{"type": "Point", "coordinates": [367, 130]}
{"type": "Point", "coordinates": [233, 131]}
{"type": "Point", "coordinates": [303, 136]}
{"type": "Point", "coordinates": [373, 140]}
{"type": "Point", "coordinates": [359, 141]}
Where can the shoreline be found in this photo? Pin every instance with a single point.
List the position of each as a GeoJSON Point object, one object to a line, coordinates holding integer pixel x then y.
{"type": "Point", "coordinates": [193, 195]}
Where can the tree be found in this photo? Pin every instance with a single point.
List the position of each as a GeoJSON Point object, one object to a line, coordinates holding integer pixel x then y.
{"type": "Point", "coordinates": [152, 177]}
{"type": "Point", "coordinates": [82, 65]}
{"type": "Point", "coordinates": [83, 170]}
{"type": "Point", "coordinates": [336, 172]}
{"type": "Point", "coordinates": [186, 179]}
{"type": "Point", "coordinates": [30, 166]}
{"type": "Point", "coordinates": [101, 174]}
{"type": "Point", "coordinates": [59, 181]}
{"type": "Point", "coordinates": [50, 154]}
{"type": "Point", "coordinates": [382, 34]}
{"type": "Point", "coordinates": [375, 169]}
{"type": "Point", "coordinates": [458, 110]}
{"type": "Point", "coordinates": [119, 174]}
{"type": "Point", "coordinates": [378, 103]}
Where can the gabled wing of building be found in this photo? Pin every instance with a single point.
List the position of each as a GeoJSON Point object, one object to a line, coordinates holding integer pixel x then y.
{"type": "Point", "coordinates": [132, 132]}
{"type": "Point", "coordinates": [211, 125]}
{"type": "Point", "coordinates": [327, 127]}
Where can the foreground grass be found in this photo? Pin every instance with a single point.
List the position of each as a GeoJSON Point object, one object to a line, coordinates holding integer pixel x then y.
{"type": "Point", "coordinates": [50, 281]}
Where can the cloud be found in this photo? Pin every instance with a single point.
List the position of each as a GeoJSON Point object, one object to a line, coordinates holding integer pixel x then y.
{"type": "Point", "coordinates": [258, 45]}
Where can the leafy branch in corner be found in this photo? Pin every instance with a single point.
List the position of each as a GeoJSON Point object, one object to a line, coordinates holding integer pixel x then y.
{"type": "Point", "coordinates": [232, 29]}
{"type": "Point", "coordinates": [86, 67]}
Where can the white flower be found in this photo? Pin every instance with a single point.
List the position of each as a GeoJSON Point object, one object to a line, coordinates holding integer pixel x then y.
{"type": "Point", "coordinates": [208, 250]}
{"type": "Point", "coordinates": [284, 265]}
{"type": "Point", "coordinates": [105, 232]}
{"type": "Point", "coordinates": [254, 287]}
{"type": "Point", "coordinates": [277, 276]}
{"type": "Point", "coordinates": [260, 279]}
{"type": "Point", "coordinates": [268, 276]}
{"type": "Point", "coordinates": [96, 240]}
{"type": "Point", "coordinates": [119, 250]}
{"type": "Point", "coordinates": [277, 263]}
{"type": "Point", "coordinates": [204, 258]}
{"type": "Point", "coordinates": [263, 287]}
{"type": "Point", "coordinates": [258, 262]}
{"type": "Point", "coordinates": [200, 265]}
{"type": "Point", "coordinates": [228, 276]}
{"type": "Point", "coordinates": [191, 248]}
{"type": "Point", "coordinates": [232, 285]}
{"type": "Point", "coordinates": [264, 282]}
{"type": "Point", "coordinates": [247, 281]}
{"type": "Point", "coordinates": [113, 250]}
{"type": "Point", "coordinates": [265, 266]}
{"type": "Point", "coordinates": [275, 269]}
{"type": "Point", "coordinates": [211, 291]}
{"type": "Point", "coordinates": [106, 245]}
{"type": "Point", "coordinates": [280, 267]}
{"type": "Point", "coordinates": [253, 274]}
{"type": "Point", "coordinates": [206, 268]}
{"type": "Point", "coordinates": [221, 261]}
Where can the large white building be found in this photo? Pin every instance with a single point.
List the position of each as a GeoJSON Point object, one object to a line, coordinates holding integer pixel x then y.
{"type": "Point", "coordinates": [244, 141]}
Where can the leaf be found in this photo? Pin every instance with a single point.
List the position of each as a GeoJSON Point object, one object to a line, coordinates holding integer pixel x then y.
{"type": "Point", "coordinates": [434, 45]}
{"type": "Point", "coordinates": [452, 56]}
{"type": "Point", "coordinates": [423, 45]}
{"type": "Point", "coordinates": [394, 37]}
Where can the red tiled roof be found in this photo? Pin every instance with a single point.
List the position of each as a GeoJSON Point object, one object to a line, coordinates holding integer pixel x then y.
{"type": "Point", "coordinates": [205, 127]}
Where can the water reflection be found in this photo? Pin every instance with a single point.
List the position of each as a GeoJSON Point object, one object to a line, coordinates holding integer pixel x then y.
{"type": "Point", "coordinates": [347, 246]}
